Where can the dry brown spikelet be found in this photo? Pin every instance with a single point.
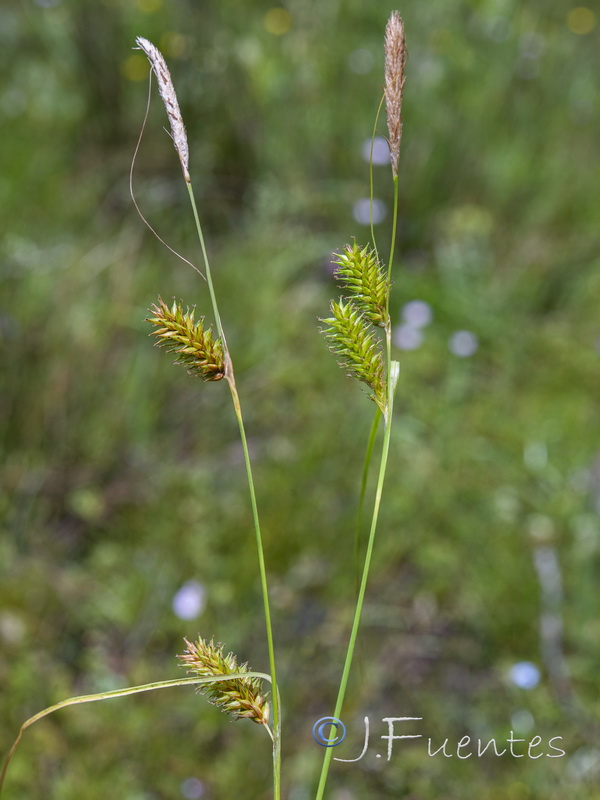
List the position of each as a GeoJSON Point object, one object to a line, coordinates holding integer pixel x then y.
{"type": "Point", "coordinates": [395, 61]}
{"type": "Point", "coordinates": [169, 98]}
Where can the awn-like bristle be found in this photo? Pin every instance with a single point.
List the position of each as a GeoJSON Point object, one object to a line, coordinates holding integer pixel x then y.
{"type": "Point", "coordinates": [169, 97]}
{"type": "Point", "coordinates": [395, 61]}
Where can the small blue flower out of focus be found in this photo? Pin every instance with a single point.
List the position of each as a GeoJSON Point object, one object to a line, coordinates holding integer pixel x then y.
{"type": "Point", "coordinates": [192, 789]}
{"type": "Point", "coordinates": [361, 211]}
{"type": "Point", "coordinates": [417, 313]}
{"type": "Point", "coordinates": [381, 151]}
{"type": "Point", "coordinates": [463, 344]}
{"type": "Point", "coordinates": [525, 675]}
{"type": "Point", "coordinates": [407, 337]}
{"type": "Point", "coordinates": [188, 602]}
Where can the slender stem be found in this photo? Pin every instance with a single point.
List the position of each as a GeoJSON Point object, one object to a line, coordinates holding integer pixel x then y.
{"type": "Point", "coordinates": [146, 687]}
{"type": "Point", "coordinates": [265, 594]}
{"type": "Point", "coordinates": [393, 242]}
{"type": "Point", "coordinates": [388, 326]}
{"type": "Point", "coordinates": [211, 288]}
{"type": "Point", "coordinates": [377, 416]}
{"type": "Point", "coordinates": [229, 374]}
{"type": "Point", "coordinates": [363, 491]}
{"type": "Point", "coordinates": [392, 378]}
{"type": "Point", "coordinates": [363, 584]}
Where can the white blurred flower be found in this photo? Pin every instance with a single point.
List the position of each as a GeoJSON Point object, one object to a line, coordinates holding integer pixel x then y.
{"type": "Point", "coordinates": [406, 337]}
{"type": "Point", "coordinates": [361, 211]}
{"type": "Point", "coordinates": [381, 151]}
{"type": "Point", "coordinates": [417, 313]}
{"type": "Point", "coordinates": [189, 600]}
{"type": "Point", "coordinates": [525, 675]}
{"type": "Point", "coordinates": [192, 789]}
{"type": "Point", "coordinates": [522, 721]}
{"type": "Point", "coordinates": [463, 344]}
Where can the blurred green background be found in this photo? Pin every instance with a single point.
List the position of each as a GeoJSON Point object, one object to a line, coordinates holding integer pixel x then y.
{"type": "Point", "coordinates": [125, 519]}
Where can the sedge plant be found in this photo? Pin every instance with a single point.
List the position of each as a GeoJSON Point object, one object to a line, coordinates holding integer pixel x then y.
{"type": "Point", "coordinates": [358, 332]}
{"type": "Point", "coordinates": [352, 336]}
{"type": "Point", "coordinates": [234, 688]}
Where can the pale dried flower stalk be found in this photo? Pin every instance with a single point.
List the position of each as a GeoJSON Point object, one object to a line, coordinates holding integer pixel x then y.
{"type": "Point", "coordinates": [395, 61]}
{"type": "Point", "coordinates": [169, 97]}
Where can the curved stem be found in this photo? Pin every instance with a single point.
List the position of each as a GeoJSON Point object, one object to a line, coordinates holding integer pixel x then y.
{"type": "Point", "coordinates": [394, 229]}
{"type": "Point", "coordinates": [388, 326]}
{"type": "Point", "coordinates": [229, 374]}
{"type": "Point", "coordinates": [146, 687]}
{"type": "Point", "coordinates": [371, 193]}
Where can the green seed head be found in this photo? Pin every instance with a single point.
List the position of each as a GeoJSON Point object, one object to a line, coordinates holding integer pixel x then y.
{"type": "Point", "coordinates": [362, 275]}
{"type": "Point", "coordinates": [195, 347]}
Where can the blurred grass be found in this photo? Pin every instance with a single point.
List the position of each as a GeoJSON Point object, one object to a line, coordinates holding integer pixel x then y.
{"type": "Point", "coordinates": [121, 479]}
